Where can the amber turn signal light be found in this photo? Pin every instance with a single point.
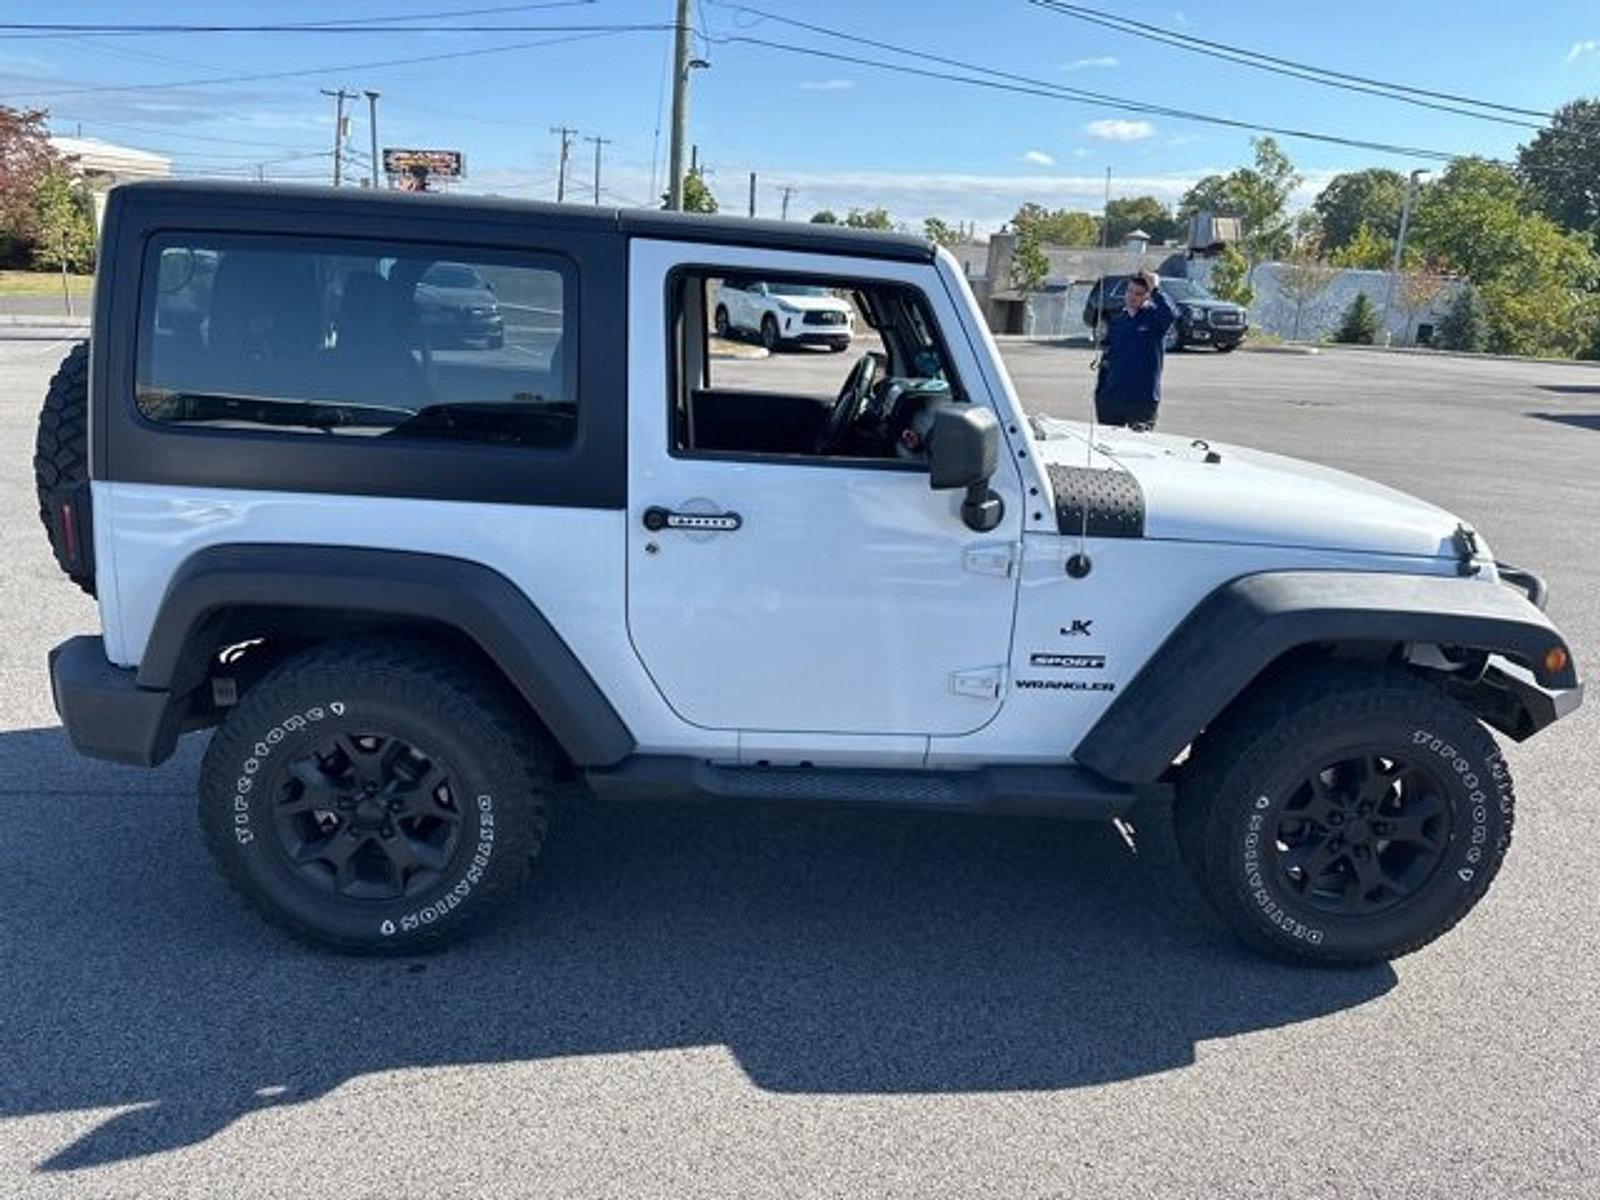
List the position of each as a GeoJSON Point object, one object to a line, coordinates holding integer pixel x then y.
{"type": "Point", "coordinates": [1556, 659]}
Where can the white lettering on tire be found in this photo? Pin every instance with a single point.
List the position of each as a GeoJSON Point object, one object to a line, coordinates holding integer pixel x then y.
{"type": "Point", "coordinates": [259, 753]}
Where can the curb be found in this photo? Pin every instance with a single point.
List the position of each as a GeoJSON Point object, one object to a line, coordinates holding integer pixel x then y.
{"type": "Point", "coordinates": [1427, 352]}
{"type": "Point", "coordinates": [1294, 348]}
{"type": "Point", "coordinates": [37, 321]}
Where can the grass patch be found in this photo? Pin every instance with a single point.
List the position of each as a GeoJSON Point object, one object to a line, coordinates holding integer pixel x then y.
{"type": "Point", "coordinates": [42, 283]}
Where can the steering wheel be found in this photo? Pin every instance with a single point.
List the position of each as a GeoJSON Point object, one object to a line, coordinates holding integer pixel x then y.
{"type": "Point", "coordinates": [852, 399]}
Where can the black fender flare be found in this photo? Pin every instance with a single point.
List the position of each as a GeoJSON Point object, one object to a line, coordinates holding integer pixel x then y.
{"type": "Point", "coordinates": [472, 599]}
{"type": "Point", "coordinates": [1245, 625]}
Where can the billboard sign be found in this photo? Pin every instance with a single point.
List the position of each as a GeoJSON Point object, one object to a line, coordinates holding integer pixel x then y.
{"type": "Point", "coordinates": [421, 165]}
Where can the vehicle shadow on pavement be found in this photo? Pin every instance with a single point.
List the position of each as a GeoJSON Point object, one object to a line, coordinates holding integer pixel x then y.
{"type": "Point", "coordinates": [830, 951]}
{"type": "Point", "coordinates": [1577, 420]}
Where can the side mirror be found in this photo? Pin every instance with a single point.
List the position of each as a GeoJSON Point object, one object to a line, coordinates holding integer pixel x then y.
{"type": "Point", "coordinates": [964, 452]}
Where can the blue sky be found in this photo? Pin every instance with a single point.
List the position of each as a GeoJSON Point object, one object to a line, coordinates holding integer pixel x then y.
{"type": "Point", "coordinates": [842, 134]}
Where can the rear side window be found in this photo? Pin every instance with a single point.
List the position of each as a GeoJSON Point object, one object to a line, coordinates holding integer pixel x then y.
{"type": "Point", "coordinates": [346, 338]}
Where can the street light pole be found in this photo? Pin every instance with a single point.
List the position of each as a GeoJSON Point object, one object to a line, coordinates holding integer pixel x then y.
{"type": "Point", "coordinates": [372, 128]}
{"type": "Point", "coordinates": [1400, 248]}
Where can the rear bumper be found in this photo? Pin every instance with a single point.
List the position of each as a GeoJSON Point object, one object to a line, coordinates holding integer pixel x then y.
{"type": "Point", "coordinates": [105, 712]}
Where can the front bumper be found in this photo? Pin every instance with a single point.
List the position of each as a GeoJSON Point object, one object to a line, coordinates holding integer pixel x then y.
{"type": "Point", "coordinates": [105, 711]}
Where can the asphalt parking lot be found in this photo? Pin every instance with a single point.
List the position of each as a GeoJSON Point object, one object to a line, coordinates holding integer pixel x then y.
{"type": "Point", "coordinates": [704, 1002]}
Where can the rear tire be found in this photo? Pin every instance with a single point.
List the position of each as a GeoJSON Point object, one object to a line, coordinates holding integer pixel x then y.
{"type": "Point", "coordinates": [376, 797]}
{"type": "Point", "coordinates": [1348, 815]}
{"type": "Point", "coordinates": [61, 457]}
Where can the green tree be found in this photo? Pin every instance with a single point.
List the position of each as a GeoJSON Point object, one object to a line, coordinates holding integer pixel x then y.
{"type": "Point", "coordinates": [1302, 280]}
{"type": "Point", "coordinates": [25, 157]}
{"type": "Point", "coordinates": [941, 232]}
{"type": "Point", "coordinates": [1561, 166]}
{"type": "Point", "coordinates": [697, 197]}
{"type": "Point", "coordinates": [1359, 326]}
{"type": "Point", "coordinates": [1030, 265]}
{"type": "Point", "coordinates": [824, 216]}
{"type": "Point", "coordinates": [1368, 250]}
{"type": "Point", "coordinates": [1357, 201]}
{"type": "Point", "coordinates": [1056, 227]}
{"type": "Point", "coordinates": [1230, 277]}
{"type": "Point", "coordinates": [63, 222]}
{"type": "Point", "coordinates": [1140, 212]}
{"type": "Point", "coordinates": [868, 218]}
{"type": "Point", "coordinates": [1536, 280]}
{"type": "Point", "coordinates": [1210, 194]}
{"type": "Point", "coordinates": [1465, 325]}
{"type": "Point", "coordinates": [1258, 195]}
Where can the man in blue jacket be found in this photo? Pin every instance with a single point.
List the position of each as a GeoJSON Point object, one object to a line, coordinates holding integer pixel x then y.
{"type": "Point", "coordinates": [1128, 391]}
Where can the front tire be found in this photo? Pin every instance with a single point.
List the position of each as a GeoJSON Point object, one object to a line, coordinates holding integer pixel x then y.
{"type": "Point", "coordinates": [720, 321]}
{"type": "Point", "coordinates": [769, 332]}
{"type": "Point", "coordinates": [1346, 816]}
{"type": "Point", "coordinates": [375, 797]}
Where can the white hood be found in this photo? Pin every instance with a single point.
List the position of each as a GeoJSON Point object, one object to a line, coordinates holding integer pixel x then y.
{"type": "Point", "coordinates": [1257, 498]}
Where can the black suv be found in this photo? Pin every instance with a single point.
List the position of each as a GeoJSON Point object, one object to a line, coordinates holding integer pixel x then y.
{"type": "Point", "coordinates": [1203, 320]}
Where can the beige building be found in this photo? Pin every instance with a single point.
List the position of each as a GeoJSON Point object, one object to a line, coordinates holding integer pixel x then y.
{"type": "Point", "coordinates": [102, 165]}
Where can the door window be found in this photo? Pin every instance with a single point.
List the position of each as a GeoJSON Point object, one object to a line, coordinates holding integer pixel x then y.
{"type": "Point", "coordinates": [813, 369]}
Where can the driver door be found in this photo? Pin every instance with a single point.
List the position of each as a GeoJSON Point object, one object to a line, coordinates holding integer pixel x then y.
{"type": "Point", "coordinates": [796, 592]}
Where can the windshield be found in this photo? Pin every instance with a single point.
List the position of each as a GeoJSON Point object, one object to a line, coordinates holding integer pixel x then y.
{"type": "Point", "coordinates": [1185, 289]}
{"type": "Point", "coordinates": [795, 289]}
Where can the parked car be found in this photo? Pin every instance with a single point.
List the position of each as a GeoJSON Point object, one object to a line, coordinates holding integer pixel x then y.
{"type": "Point", "coordinates": [1203, 319]}
{"type": "Point", "coordinates": [458, 307]}
{"type": "Point", "coordinates": [784, 314]}
{"type": "Point", "coordinates": [421, 621]}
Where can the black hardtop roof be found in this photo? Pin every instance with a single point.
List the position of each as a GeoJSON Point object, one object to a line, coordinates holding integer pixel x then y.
{"type": "Point", "coordinates": [630, 222]}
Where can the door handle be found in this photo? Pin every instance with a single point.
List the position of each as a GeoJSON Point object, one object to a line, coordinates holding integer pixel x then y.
{"type": "Point", "coordinates": [657, 518]}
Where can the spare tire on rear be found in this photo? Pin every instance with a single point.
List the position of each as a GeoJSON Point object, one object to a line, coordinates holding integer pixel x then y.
{"type": "Point", "coordinates": [61, 468]}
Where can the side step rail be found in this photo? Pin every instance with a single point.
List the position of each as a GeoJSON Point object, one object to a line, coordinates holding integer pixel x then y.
{"type": "Point", "coordinates": [1056, 791]}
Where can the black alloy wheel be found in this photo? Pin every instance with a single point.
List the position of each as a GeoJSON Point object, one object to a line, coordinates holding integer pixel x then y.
{"type": "Point", "coordinates": [1362, 834]}
{"type": "Point", "coordinates": [367, 817]}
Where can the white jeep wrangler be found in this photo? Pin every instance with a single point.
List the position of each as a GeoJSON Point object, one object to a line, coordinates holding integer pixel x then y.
{"type": "Point", "coordinates": [422, 585]}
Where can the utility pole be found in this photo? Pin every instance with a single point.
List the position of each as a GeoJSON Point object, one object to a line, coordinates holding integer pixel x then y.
{"type": "Point", "coordinates": [752, 193]}
{"type": "Point", "coordinates": [566, 133]}
{"type": "Point", "coordinates": [339, 98]}
{"type": "Point", "coordinates": [598, 142]}
{"type": "Point", "coordinates": [680, 106]}
{"type": "Point", "coordinates": [787, 190]}
{"type": "Point", "coordinates": [372, 128]}
{"type": "Point", "coordinates": [1400, 247]}
{"type": "Point", "coordinates": [1105, 214]}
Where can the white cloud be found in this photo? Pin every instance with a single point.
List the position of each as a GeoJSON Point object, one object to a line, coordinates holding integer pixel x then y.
{"type": "Point", "coordinates": [1121, 131]}
{"type": "Point", "coordinates": [1039, 158]}
{"type": "Point", "coordinates": [1180, 18]}
{"type": "Point", "coordinates": [1582, 49]}
{"type": "Point", "coordinates": [1103, 60]}
{"type": "Point", "coordinates": [828, 85]}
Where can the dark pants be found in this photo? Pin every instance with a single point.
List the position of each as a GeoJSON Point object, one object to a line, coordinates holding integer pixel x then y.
{"type": "Point", "coordinates": [1130, 417]}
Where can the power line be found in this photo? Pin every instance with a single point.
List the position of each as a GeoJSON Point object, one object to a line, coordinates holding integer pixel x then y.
{"type": "Point", "coordinates": [1051, 92]}
{"type": "Point", "coordinates": [300, 73]}
{"type": "Point", "coordinates": [304, 27]}
{"type": "Point", "coordinates": [1264, 61]}
{"type": "Point", "coordinates": [994, 79]}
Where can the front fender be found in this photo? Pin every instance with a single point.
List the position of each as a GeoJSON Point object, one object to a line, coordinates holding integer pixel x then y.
{"type": "Point", "coordinates": [1247, 624]}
